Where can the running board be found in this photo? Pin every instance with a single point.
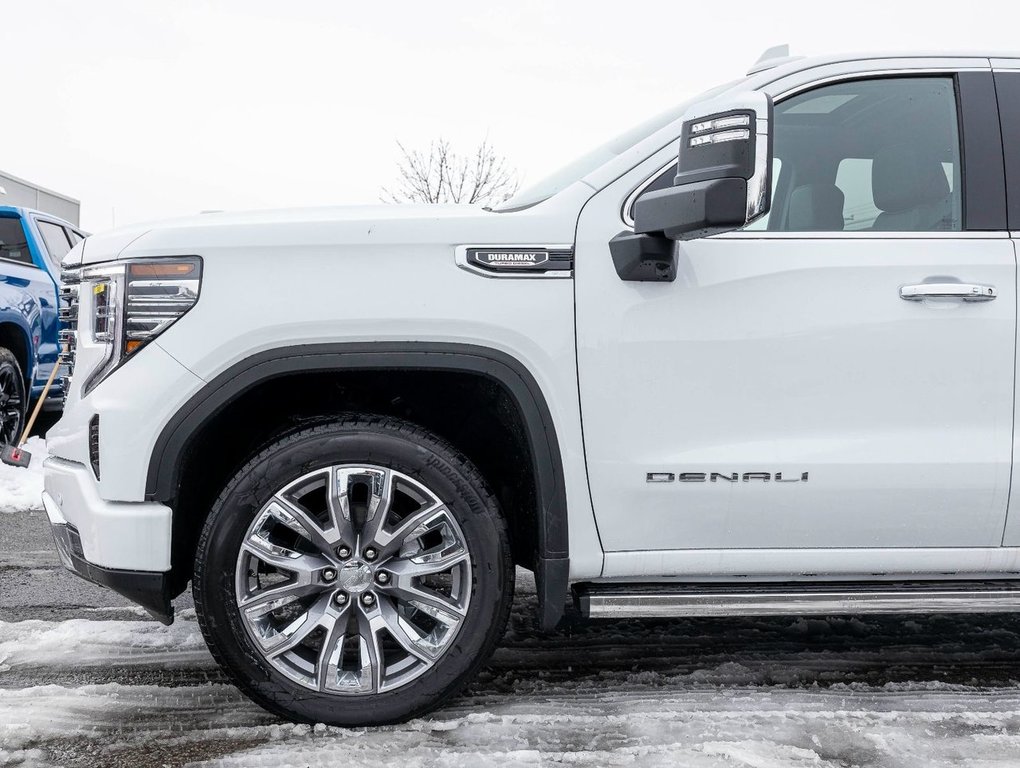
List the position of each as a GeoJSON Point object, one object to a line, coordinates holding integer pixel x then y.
{"type": "Point", "coordinates": [672, 600]}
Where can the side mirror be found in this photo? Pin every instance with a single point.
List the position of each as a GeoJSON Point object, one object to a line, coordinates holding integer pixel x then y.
{"type": "Point", "coordinates": [723, 183]}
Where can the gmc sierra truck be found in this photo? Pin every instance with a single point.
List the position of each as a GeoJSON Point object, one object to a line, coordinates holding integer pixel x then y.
{"type": "Point", "coordinates": [755, 356]}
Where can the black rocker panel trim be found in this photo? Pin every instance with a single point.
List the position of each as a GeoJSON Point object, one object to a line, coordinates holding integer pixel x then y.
{"type": "Point", "coordinates": [553, 550]}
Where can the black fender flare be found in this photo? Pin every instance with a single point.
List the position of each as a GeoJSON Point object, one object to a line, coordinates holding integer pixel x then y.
{"type": "Point", "coordinates": [552, 558]}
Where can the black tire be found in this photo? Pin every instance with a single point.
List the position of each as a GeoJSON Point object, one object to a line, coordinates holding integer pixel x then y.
{"type": "Point", "coordinates": [13, 402]}
{"type": "Point", "coordinates": [355, 439]}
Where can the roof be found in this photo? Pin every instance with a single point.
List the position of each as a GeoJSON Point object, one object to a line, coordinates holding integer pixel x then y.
{"type": "Point", "coordinates": [777, 60]}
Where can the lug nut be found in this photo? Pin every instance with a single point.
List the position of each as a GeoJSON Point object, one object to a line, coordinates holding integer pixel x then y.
{"type": "Point", "coordinates": [343, 551]}
{"type": "Point", "coordinates": [382, 577]}
{"type": "Point", "coordinates": [340, 598]}
{"type": "Point", "coordinates": [328, 574]}
{"type": "Point", "coordinates": [368, 599]}
{"type": "Point", "coordinates": [371, 554]}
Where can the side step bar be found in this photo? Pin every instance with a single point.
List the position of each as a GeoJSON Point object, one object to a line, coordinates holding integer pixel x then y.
{"type": "Point", "coordinates": [675, 600]}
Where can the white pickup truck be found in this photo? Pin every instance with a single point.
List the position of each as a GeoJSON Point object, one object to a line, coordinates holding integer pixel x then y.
{"type": "Point", "coordinates": [773, 376]}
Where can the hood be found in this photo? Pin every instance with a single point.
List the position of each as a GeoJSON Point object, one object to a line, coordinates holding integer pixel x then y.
{"type": "Point", "coordinates": [399, 224]}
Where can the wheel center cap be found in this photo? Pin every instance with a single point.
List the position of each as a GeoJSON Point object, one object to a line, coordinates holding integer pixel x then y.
{"type": "Point", "coordinates": [355, 577]}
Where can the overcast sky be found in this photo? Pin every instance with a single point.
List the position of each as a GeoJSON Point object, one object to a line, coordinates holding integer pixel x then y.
{"type": "Point", "coordinates": [145, 110]}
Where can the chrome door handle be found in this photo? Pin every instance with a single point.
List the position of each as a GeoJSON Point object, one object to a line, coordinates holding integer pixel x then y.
{"type": "Point", "coordinates": [965, 291]}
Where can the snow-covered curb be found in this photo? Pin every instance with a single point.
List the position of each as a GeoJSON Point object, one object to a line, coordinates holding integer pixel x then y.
{"type": "Point", "coordinates": [21, 487]}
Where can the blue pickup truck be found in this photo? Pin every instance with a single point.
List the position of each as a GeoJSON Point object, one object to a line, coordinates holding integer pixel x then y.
{"type": "Point", "coordinates": [32, 245]}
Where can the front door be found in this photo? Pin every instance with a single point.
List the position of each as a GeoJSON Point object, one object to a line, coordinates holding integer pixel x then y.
{"type": "Point", "coordinates": [838, 376]}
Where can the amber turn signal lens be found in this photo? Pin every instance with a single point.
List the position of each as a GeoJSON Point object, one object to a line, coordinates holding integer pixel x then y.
{"type": "Point", "coordinates": [132, 345]}
{"type": "Point", "coordinates": [163, 269]}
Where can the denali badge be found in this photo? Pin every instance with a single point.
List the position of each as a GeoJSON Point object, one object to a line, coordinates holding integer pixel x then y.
{"type": "Point", "coordinates": [724, 477]}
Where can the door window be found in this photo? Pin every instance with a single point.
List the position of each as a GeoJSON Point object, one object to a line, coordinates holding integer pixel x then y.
{"type": "Point", "coordinates": [56, 239]}
{"type": "Point", "coordinates": [13, 243]}
{"type": "Point", "coordinates": [57, 243]}
{"type": "Point", "coordinates": [869, 155]}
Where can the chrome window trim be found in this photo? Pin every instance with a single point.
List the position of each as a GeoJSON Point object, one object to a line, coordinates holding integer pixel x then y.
{"type": "Point", "coordinates": [868, 74]}
{"type": "Point", "coordinates": [778, 98]}
{"type": "Point", "coordinates": [463, 263]}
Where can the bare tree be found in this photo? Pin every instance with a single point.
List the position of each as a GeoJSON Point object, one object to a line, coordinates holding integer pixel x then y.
{"type": "Point", "coordinates": [442, 175]}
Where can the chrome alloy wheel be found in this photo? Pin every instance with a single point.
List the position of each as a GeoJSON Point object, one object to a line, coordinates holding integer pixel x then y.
{"type": "Point", "coordinates": [12, 393]}
{"type": "Point", "coordinates": [353, 580]}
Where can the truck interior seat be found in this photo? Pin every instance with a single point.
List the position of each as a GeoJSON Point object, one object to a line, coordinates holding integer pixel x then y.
{"type": "Point", "coordinates": [816, 208]}
{"type": "Point", "coordinates": [910, 187]}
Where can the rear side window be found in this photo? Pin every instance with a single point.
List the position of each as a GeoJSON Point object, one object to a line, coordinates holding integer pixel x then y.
{"type": "Point", "coordinates": [13, 242]}
{"type": "Point", "coordinates": [869, 155]}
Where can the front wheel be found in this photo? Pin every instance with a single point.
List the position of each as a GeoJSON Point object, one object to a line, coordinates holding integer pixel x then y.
{"type": "Point", "coordinates": [13, 402]}
{"type": "Point", "coordinates": [355, 573]}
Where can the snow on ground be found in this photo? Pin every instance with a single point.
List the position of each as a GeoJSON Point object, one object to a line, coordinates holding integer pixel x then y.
{"type": "Point", "coordinates": [878, 691]}
{"type": "Point", "coordinates": [90, 683]}
{"type": "Point", "coordinates": [85, 642]}
{"type": "Point", "coordinates": [728, 727]}
{"type": "Point", "coordinates": [21, 487]}
{"type": "Point", "coordinates": [115, 714]}
{"type": "Point", "coordinates": [616, 724]}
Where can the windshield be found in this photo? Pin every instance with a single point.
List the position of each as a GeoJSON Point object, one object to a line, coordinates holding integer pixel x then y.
{"type": "Point", "coordinates": [582, 166]}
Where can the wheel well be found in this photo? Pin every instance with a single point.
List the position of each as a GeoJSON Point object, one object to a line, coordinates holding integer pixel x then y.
{"type": "Point", "coordinates": [472, 411]}
{"type": "Point", "coordinates": [13, 337]}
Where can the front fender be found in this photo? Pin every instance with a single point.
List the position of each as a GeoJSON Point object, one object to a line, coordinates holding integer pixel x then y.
{"type": "Point", "coordinates": [553, 545]}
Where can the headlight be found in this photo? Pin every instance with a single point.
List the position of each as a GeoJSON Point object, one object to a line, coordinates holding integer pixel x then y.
{"type": "Point", "coordinates": [126, 304]}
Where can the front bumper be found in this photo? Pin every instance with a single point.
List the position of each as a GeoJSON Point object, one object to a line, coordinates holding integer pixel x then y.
{"type": "Point", "coordinates": [121, 545]}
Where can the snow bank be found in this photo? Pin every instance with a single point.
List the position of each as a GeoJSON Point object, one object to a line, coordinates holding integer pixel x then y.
{"type": "Point", "coordinates": [81, 642]}
{"type": "Point", "coordinates": [21, 487]}
{"type": "Point", "coordinates": [772, 728]}
{"type": "Point", "coordinates": [738, 693]}
{"type": "Point", "coordinates": [760, 728]}
{"type": "Point", "coordinates": [119, 715]}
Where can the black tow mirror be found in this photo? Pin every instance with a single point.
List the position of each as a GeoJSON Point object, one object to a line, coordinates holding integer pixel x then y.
{"type": "Point", "coordinates": [723, 183]}
{"type": "Point", "coordinates": [692, 210]}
